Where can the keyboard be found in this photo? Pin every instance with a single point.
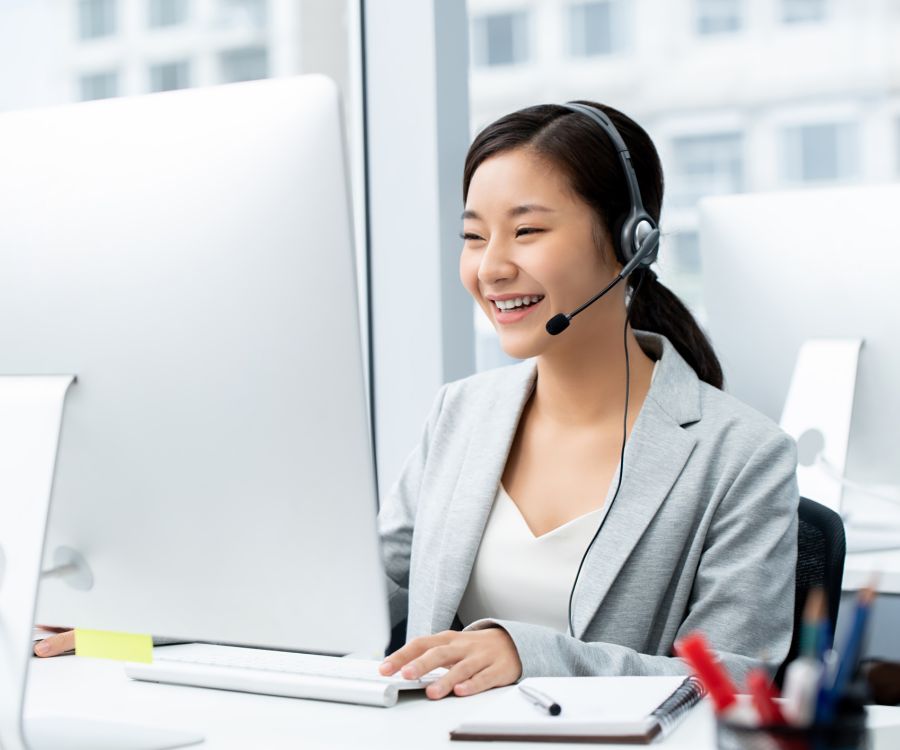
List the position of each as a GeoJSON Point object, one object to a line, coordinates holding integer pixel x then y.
{"type": "Point", "coordinates": [251, 670]}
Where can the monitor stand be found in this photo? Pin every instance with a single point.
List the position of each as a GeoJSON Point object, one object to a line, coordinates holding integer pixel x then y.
{"type": "Point", "coordinates": [31, 409]}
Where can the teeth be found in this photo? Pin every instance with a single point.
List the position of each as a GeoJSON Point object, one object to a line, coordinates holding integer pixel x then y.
{"type": "Point", "coordinates": [511, 304]}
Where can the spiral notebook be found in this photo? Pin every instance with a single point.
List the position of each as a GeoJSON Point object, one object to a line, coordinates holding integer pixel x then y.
{"type": "Point", "coordinates": [632, 710]}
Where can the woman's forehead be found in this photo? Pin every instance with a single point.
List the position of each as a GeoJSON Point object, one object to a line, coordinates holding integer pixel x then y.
{"type": "Point", "coordinates": [516, 178]}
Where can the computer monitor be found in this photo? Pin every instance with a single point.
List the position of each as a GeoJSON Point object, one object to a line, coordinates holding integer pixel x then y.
{"type": "Point", "coordinates": [781, 268]}
{"type": "Point", "coordinates": [189, 257]}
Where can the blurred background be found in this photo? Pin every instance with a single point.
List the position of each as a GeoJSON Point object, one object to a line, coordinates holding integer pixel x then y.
{"type": "Point", "coordinates": [739, 96]}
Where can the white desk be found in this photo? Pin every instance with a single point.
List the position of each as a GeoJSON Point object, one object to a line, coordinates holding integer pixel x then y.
{"type": "Point", "coordinates": [860, 566]}
{"type": "Point", "coordinates": [99, 689]}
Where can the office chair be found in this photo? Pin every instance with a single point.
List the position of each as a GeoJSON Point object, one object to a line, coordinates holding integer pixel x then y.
{"type": "Point", "coordinates": [821, 548]}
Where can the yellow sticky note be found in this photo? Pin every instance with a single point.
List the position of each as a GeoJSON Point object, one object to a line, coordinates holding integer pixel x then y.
{"type": "Point", "coordinates": [103, 644]}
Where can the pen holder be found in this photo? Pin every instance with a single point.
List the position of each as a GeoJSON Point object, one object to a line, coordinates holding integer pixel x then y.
{"type": "Point", "coordinates": [838, 735]}
{"type": "Point", "coordinates": [847, 731]}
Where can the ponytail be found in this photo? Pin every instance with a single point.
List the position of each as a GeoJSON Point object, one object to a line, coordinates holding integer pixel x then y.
{"type": "Point", "coordinates": [656, 309]}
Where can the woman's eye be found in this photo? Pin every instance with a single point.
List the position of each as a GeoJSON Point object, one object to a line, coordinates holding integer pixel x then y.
{"type": "Point", "coordinates": [522, 231]}
{"type": "Point", "coordinates": [468, 236]}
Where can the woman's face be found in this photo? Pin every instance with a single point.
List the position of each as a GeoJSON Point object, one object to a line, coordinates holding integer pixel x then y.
{"type": "Point", "coordinates": [528, 235]}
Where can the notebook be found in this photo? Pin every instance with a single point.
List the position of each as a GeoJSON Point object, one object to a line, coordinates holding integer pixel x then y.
{"type": "Point", "coordinates": [634, 710]}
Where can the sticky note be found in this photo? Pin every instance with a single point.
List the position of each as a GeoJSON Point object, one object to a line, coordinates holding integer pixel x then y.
{"type": "Point", "coordinates": [104, 644]}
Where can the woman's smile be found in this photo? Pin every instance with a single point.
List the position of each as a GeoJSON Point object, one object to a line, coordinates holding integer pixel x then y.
{"type": "Point", "coordinates": [513, 309]}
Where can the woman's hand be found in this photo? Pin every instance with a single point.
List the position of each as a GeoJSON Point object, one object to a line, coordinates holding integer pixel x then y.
{"type": "Point", "coordinates": [62, 641]}
{"type": "Point", "coordinates": [477, 660]}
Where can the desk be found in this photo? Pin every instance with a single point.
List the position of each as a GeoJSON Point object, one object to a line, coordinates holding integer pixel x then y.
{"type": "Point", "coordinates": [99, 689]}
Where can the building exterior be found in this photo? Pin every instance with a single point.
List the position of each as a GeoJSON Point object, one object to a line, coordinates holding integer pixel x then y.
{"type": "Point", "coordinates": [60, 51]}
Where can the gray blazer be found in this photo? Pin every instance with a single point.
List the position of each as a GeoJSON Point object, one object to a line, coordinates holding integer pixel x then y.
{"type": "Point", "coordinates": [703, 534]}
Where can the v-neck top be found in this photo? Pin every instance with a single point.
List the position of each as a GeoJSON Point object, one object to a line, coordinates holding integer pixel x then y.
{"type": "Point", "coordinates": [518, 576]}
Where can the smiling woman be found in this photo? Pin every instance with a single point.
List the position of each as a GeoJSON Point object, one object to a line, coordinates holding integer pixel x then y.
{"type": "Point", "coordinates": [579, 512]}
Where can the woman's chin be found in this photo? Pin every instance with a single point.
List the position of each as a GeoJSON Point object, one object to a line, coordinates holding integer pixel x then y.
{"type": "Point", "coordinates": [519, 348]}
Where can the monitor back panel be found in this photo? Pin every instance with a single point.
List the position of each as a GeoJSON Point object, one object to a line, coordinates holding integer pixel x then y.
{"type": "Point", "coordinates": [189, 257]}
{"type": "Point", "coordinates": [781, 268]}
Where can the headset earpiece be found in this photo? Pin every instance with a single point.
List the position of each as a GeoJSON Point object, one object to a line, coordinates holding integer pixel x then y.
{"type": "Point", "coordinates": [637, 233]}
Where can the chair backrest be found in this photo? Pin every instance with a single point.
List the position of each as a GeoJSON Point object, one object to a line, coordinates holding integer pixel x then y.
{"type": "Point", "coordinates": [821, 548]}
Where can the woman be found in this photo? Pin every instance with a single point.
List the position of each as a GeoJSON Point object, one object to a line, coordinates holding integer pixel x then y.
{"type": "Point", "coordinates": [518, 467]}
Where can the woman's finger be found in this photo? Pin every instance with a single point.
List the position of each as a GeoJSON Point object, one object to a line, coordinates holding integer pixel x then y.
{"type": "Point", "coordinates": [412, 650]}
{"type": "Point", "coordinates": [479, 682]}
{"type": "Point", "coordinates": [459, 672]}
{"type": "Point", "coordinates": [56, 644]}
{"type": "Point", "coordinates": [439, 656]}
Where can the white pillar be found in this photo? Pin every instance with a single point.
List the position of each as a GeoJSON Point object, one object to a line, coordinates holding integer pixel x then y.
{"type": "Point", "coordinates": [417, 104]}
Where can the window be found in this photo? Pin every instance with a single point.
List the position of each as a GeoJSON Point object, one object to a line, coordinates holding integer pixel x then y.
{"type": "Point", "coordinates": [820, 152]}
{"type": "Point", "coordinates": [679, 266]}
{"type": "Point", "coordinates": [705, 165]}
{"type": "Point", "coordinates": [98, 86]}
{"type": "Point", "coordinates": [96, 18]}
{"type": "Point", "coordinates": [718, 16]}
{"type": "Point", "coordinates": [170, 76]}
{"type": "Point", "coordinates": [244, 64]}
{"type": "Point", "coordinates": [500, 39]}
{"type": "Point", "coordinates": [251, 13]}
{"type": "Point", "coordinates": [596, 28]}
{"type": "Point", "coordinates": [803, 11]}
{"type": "Point", "coordinates": [164, 13]}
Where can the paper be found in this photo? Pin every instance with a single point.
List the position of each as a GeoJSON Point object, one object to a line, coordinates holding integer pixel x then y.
{"type": "Point", "coordinates": [104, 644]}
{"type": "Point", "coordinates": [591, 707]}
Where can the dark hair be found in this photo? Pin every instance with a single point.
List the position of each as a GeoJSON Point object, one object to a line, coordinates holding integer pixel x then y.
{"type": "Point", "coordinates": [579, 148]}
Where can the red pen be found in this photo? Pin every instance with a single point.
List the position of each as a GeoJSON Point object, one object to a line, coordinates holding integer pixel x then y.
{"type": "Point", "coordinates": [695, 650]}
{"type": "Point", "coordinates": [763, 695]}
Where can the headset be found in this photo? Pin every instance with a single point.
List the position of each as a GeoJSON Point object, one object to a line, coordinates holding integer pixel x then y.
{"type": "Point", "coordinates": [636, 240]}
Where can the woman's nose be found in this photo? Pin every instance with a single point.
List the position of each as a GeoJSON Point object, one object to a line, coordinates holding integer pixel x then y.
{"type": "Point", "coordinates": [496, 264]}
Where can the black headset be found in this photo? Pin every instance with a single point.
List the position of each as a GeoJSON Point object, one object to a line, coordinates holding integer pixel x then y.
{"type": "Point", "coordinates": [637, 242]}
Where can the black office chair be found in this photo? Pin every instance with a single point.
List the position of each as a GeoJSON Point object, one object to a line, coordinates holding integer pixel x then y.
{"type": "Point", "coordinates": [821, 548]}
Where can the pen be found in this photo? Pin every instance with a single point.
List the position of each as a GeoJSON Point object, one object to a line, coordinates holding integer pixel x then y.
{"type": "Point", "coordinates": [804, 674]}
{"type": "Point", "coordinates": [541, 700]}
{"type": "Point", "coordinates": [763, 695]}
{"type": "Point", "coordinates": [694, 649]}
{"type": "Point", "coordinates": [849, 660]}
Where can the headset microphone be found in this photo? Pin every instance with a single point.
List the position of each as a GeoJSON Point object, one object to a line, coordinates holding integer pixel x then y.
{"type": "Point", "coordinates": [637, 244]}
{"type": "Point", "coordinates": [559, 322]}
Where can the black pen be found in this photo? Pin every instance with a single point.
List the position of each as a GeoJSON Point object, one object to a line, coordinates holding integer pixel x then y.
{"type": "Point", "coordinates": [541, 700]}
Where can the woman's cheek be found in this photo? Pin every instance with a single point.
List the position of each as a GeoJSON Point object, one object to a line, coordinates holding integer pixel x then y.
{"type": "Point", "coordinates": [468, 272]}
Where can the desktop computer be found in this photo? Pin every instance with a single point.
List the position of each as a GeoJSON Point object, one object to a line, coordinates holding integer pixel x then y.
{"type": "Point", "coordinates": [783, 268]}
{"type": "Point", "coordinates": [188, 258]}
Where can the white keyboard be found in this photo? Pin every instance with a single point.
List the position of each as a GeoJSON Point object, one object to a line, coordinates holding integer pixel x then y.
{"type": "Point", "coordinates": [251, 670]}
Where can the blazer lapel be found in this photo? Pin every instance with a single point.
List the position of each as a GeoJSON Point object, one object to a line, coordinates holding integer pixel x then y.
{"type": "Point", "coordinates": [473, 496]}
{"type": "Point", "coordinates": [656, 452]}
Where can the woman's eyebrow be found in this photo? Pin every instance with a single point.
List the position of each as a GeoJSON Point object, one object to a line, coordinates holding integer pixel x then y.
{"type": "Point", "coordinates": [515, 211]}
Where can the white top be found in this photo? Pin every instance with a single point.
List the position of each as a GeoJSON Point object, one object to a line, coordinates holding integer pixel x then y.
{"type": "Point", "coordinates": [518, 576]}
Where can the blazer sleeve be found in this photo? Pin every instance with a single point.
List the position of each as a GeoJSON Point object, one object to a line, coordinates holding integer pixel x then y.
{"type": "Point", "coordinates": [743, 593]}
{"type": "Point", "coordinates": [397, 516]}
